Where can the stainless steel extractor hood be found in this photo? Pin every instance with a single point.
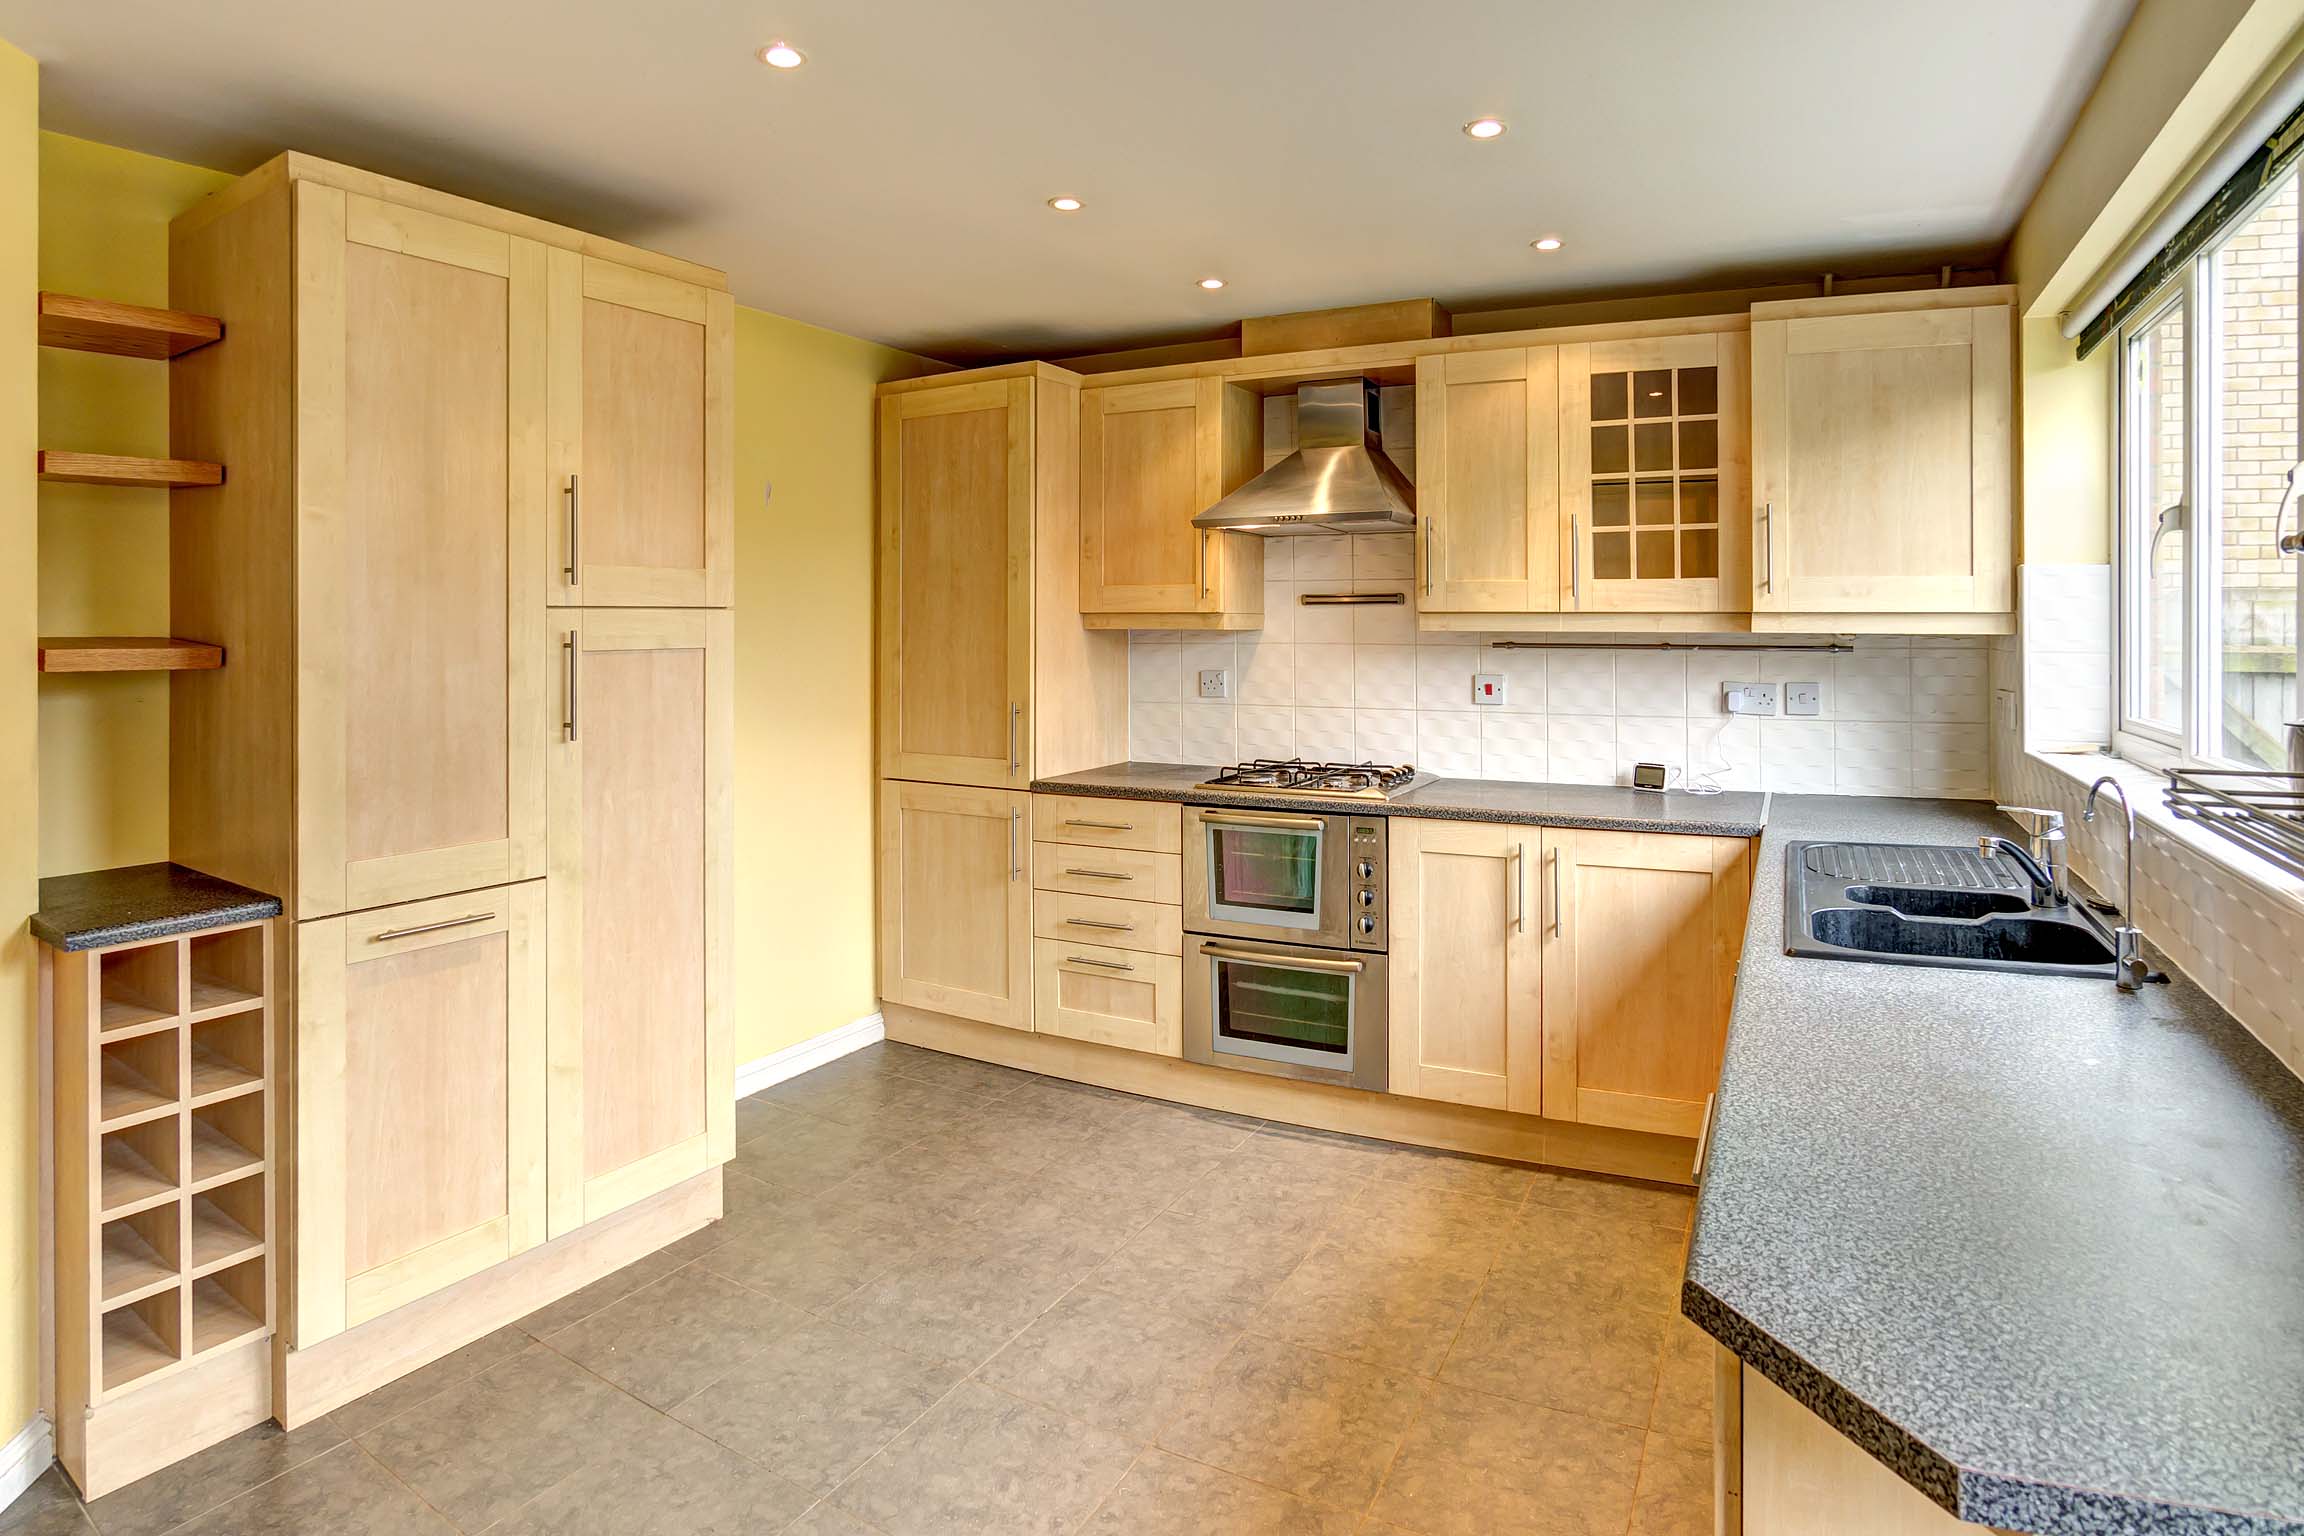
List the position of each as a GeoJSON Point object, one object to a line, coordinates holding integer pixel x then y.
{"type": "Point", "coordinates": [1339, 479]}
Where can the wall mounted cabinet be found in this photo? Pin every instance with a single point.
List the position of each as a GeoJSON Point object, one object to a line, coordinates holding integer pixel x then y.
{"type": "Point", "coordinates": [1153, 457]}
{"type": "Point", "coordinates": [1883, 449]}
{"type": "Point", "coordinates": [1487, 481]}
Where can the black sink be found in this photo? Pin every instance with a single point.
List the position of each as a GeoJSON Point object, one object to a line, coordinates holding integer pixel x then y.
{"type": "Point", "coordinates": [1918, 901]}
{"type": "Point", "coordinates": [1941, 906]}
{"type": "Point", "coordinates": [2027, 941]}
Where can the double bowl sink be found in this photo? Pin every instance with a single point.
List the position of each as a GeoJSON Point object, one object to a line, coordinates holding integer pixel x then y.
{"type": "Point", "coordinates": [1913, 904]}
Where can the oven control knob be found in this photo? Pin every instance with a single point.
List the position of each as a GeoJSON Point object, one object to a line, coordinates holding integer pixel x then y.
{"type": "Point", "coordinates": [1367, 870]}
{"type": "Point", "coordinates": [1367, 923]}
{"type": "Point", "coordinates": [1367, 897]}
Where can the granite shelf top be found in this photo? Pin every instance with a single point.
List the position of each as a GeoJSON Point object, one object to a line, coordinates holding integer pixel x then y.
{"type": "Point", "coordinates": [138, 902]}
{"type": "Point", "coordinates": [2035, 1244]}
{"type": "Point", "coordinates": [1596, 807]}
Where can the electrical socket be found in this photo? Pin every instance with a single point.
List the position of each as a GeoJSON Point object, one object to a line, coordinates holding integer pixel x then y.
{"type": "Point", "coordinates": [1748, 698]}
{"type": "Point", "coordinates": [1215, 683]}
{"type": "Point", "coordinates": [1803, 698]}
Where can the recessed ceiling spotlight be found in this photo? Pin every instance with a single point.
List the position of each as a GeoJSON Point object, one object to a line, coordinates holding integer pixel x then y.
{"type": "Point", "coordinates": [782, 55]}
{"type": "Point", "coordinates": [1485, 128]}
{"type": "Point", "coordinates": [1211, 283]}
{"type": "Point", "coordinates": [1065, 204]}
{"type": "Point", "coordinates": [1548, 243]}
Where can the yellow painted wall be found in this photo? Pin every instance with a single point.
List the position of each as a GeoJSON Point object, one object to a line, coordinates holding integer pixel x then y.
{"type": "Point", "coordinates": [804, 785]}
{"type": "Point", "coordinates": [104, 216]}
{"type": "Point", "coordinates": [19, 759]}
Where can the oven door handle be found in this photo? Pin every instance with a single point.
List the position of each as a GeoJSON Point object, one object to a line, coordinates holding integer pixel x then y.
{"type": "Point", "coordinates": [1247, 819]}
{"type": "Point", "coordinates": [1283, 961]}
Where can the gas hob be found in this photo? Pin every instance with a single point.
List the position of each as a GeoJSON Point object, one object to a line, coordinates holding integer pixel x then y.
{"type": "Point", "coordinates": [1319, 781]}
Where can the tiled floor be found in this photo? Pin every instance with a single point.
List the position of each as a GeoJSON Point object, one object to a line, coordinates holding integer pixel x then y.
{"type": "Point", "coordinates": [951, 1298]}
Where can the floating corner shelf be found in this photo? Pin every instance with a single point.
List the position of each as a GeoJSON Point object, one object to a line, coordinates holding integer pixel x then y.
{"type": "Point", "coordinates": [122, 330]}
{"type": "Point", "coordinates": [127, 653]}
{"type": "Point", "coordinates": [59, 465]}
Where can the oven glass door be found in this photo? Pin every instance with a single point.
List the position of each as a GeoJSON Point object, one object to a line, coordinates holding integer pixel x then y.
{"type": "Point", "coordinates": [1280, 1007]}
{"type": "Point", "coordinates": [1265, 876]}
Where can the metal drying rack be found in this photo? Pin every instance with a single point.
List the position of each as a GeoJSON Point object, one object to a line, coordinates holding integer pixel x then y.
{"type": "Point", "coordinates": [2262, 812]}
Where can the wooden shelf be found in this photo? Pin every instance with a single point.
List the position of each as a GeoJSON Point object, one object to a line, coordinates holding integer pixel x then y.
{"type": "Point", "coordinates": [132, 1349]}
{"type": "Point", "coordinates": [131, 1180]}
{"type": "Point", "coordinates": [129, 1097]}
{"type": "Point", "coordinates": [217, 1076]}
{"type": "Point", "coordinates": [214, 999]}
{"type": "Point", "coordinates": [217, 1158]}
{"type": "Point", "coordinates": [133, 1268]}
{"type": "Point", "coordinates": [118, 1018]}
{"type": "Point", "coordinates": [220, 1318]}
{"type": "Point", "coordinates": [218, 1240]}
{"type": "Point", "coordinates": [124, 469]}
{"type": "Point", "coordinates": [122, 330]}
{"type": "Point", "coordinates": [127, 653]}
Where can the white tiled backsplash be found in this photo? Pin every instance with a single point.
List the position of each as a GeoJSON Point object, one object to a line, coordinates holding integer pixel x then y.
{"type": "Point", "coordinates": [1901, 716]}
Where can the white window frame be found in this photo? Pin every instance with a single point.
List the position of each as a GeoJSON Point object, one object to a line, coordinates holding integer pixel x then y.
{"type": "Point", "coordinates": [2197, 741]}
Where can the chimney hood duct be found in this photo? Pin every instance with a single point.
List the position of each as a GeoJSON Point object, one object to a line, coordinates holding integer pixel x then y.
{"type": "Point", "coordinates": [1339, 479]}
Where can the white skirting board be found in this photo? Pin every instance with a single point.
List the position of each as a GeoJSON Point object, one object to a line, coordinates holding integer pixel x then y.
{"type": "Point", "coordinates": [24, 1458]}
{"type": "Point", "coordinates": [808, 1055]}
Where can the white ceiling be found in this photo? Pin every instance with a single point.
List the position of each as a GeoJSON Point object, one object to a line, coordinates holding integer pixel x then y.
{"type": "Point", "coordinates": [1308, 151]}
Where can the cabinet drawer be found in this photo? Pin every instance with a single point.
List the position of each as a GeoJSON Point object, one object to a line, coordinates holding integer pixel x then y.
{"type": "Point", "coordinates": [1154, 826]}
{"type": "Point", "coordinates": [1139, 925]}
{"type": "Point", "coordinates": [1126, 872]}
{"type": "Point", "coordinates": [1108, 996]}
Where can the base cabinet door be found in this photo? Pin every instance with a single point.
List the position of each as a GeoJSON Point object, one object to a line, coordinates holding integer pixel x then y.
{"type": "Point", "coordinates": [1882, 454]}
{"type": "Point", "coordinates": [642, 1071]}
{"type": "Point", "coordinates": [1466, 997]}
{"type": "Point", "coordinates": [419, 1071]}
{"type": "Point", "coordinates": [956, 901]}
{"type": "Point", "coordinates": [1108, 996]}
{"type": "Point", "coordinates": [642, 405]}
{"type": "Point", "coordinates": [1641, 936]}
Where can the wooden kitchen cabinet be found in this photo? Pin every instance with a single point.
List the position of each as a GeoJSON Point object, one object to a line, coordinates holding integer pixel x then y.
{"type": "Point", "coordinates": [420, 1101]}
{"type": "Point", "coordinates": [1654, 440]}
{"type": "Point", "coordinates": [1153, 457]}
{"type": "Point", "coordinates": [1487, 481]}
{"type": "Point", "coordinates": [1641, 933]}
{"type": "Point", "coordinates": [1882, 452]}
{"type": "Point", "coordinates": [956, 901]}
{"type": "Point", "coordinates": [420, 353]}
{"type": "Point", "coordinates": [642, 404]}
{"type": "Point", "coordinates": [1108, 995]}
{"type": "Point", "coordinates": [642, 1070]}
{"type": "Point", "coordinates": [1466, 996]}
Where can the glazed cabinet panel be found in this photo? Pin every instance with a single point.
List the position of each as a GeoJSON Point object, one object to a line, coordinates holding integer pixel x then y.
{"type": "Point", "coordinates": [419, 1125]}
{"type": "Point", "coordinates": [1153, 457]}
{"type": "Point", "coordinates": [642, 406]}
{"type": "Point", "coordinates": [956, 901]}
{"type": "Point", "coordinates": [642, 1090]}
{"type": "Point", "coordinates": [1487, 484]}
{"type": "Point", "coordinates": [1641, 935]}
{"type": "Point", "coordinates": [1882, 449]}
{"type": "Point", "coordinates": [956, 488]}
{"type": "Point", "coordinates": [420, 367]}
{"type": "Point", "coordinates": [1653, 446]}
{"type": "Point", "coordinates": [1466, 994]}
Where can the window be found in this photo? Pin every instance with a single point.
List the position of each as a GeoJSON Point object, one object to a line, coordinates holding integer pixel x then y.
{"type": "Point", "coordinates": [2209, 433]}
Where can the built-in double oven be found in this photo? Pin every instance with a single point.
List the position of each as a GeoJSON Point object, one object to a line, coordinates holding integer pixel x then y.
{"type": "Point", "coordinates": [1285, 933]}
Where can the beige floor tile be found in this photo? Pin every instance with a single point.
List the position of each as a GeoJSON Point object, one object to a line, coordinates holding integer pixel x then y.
{"type": "Point", "coordinates": [1110, 1363]}
{"type": "Point", "coordinates": [1684, 1383]}
{"type": "Point", "coordinates": [1675, 1496]}
{"type": "Point", "coordinates": [978, 1077]}
{"type": "Point", "coordinates": [1596, 1257]}
{"type": "Point", "coordinates": [667, 1341]}
{"type": "Point", "coordinates": [1321, 1427]}
{"type": "Point", "coordinates": [1327, 1151]}
{"type": "Point", "coordinates": [666, 1480]}
{"type": "Point", "coordinates": [224, 1471]}
{"type": "Point", "coordinates": [1165, 1495]}
{"type": "Point", "coordinates": [893, 1103]}
{"type": "Point", "coordinates": [806, 1261]}
{"type": "Point", "coordinates": [829, 1519]}
{"type": "Point", "coordinates": [805, 1152]}
{"type": "Point", "coordinates": [1460, 1175]}
{"type": "Point", "coordinates": [1475, 1465]}
{"type": "Point", "coordinates": [817, 1403]}
{"type": "Point", "coordinates": [1413, 1220]}
{"type": "Point", "coordinates": [986, 1464]}
{"type": "Point", "coordinates": [962, 1302]}
{"type": "Point", "coordinates": [50, 1507]}
{"type": "Point", "coordinates": [1561, 1349]}
{"type": "Point", "coordinates": [1375, 1307]}
{"type": "Point", "coordinates": [1033, 1208]}
{"type": "Point", "coordinates": [344, 1493]}
{"type": "Point", "coordinates": [363, 1414]}
{"type": "Point", "coordinates": [1626, 1199]}
{"type": "Point", "coordinates": [1204, 1265]}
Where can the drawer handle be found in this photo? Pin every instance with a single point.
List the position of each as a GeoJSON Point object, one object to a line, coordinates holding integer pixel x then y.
{"type": "Point", "coordinates": [1285, 962]}
{"type": "Point", "coordinates": [1099, 874]}
{"type": "Point", "coordinates": [1092, 922]}
{"type": "Point", "coordinates": [1109, 965]}
{"type": "Point", "coordinates": [1249, 819]}
{"type": "Point", "coordinates": [446, 922]}
{"type": "Point", "coordinates": [1103, 826]}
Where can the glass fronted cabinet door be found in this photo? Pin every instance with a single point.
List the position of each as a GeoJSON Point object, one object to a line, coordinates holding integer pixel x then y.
{"type": "Point", "coordinates": [1262, 875]}
{"type": "Point", "coordinates": [1654, 474]}
{"type": "Point", "coordinates": [1288, 1010]}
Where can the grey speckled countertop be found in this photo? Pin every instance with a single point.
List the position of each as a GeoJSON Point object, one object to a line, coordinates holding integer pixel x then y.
{"type": "Point", "coordinates": [140, 901]}
{"type": "Point", "coordinates": [1600, 807]}
{"type": "Point", "coordinates": [2035, 1244]}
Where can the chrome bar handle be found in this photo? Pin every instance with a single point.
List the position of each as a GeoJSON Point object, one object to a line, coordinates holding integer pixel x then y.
{"type": "Point", "coordinates": [1098, 874]}
{"type": "Point", "coordinates": [1109, 965]}
{"type": "Point", "coordinates": [1092, 922]}
{"type": "Point", "coordinates": [1015, 865]}
{"type": "Point", "coordinates": [1768, 546]}
{"type": "Point", "coordinates": [1575, 563]}
{"type": "Point", "coordinates": [1286, 962]}
{"type": "Point", "coordinates": [1519, 887]}
{"type": "Point", "coordinates": [1274, 823]}
{"type": "Point", "coordinates": [574, 569]}
{"type": "Point", "coordinates": [568, 714]}
{"type": "Point", "coordinates": [1431, 533]}
{"type": "Point", "coordinates": [1101, 826]}
{"type": "Point", "coordinates": [1555, 893]}
{"type": "Point", "coordinates": [1015, 716]}
{"type": "Point", "coordinates": [446, 922]}
{"type": "Point", "coordinates": [1203, 562]}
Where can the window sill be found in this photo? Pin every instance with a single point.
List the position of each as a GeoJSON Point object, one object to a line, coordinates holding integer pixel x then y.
{"type": "Point", "coordinates": [2145, 787]}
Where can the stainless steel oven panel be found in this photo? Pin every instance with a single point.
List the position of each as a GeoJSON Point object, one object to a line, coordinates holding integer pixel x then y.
{"type": "Point", "coordinates": [1330, 920]}
{"type": "Point", "coordinates": [1367, 1059]}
